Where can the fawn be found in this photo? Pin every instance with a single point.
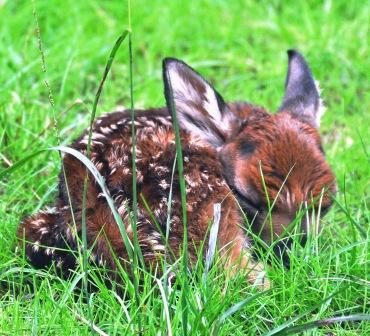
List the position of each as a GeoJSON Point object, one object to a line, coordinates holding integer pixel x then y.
{"type": "Point", "coordinates": [236, 154]}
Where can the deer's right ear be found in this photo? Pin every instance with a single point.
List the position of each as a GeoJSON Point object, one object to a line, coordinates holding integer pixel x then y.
{"type": "Point", "coordinates": [199, 108]}
{"type": "Point", "coordinates": [302, 96]}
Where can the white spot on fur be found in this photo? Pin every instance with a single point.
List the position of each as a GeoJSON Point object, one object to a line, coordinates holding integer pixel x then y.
{"type": "Point", "coordinates": [164, 120]}
{"type": "Point", "coordinates": [49, 251]}
{"type": "Point", "coordinates": [36, 246]}
{"type": "Point", "coordinates": [158, 247]}
{"type": "Point", "coordinates": [97, 136]}
{"type": "Point", "coordinates": [52, 210]}
{"type": "Point", "coordinates": [160, 169]}
{"type": "Point", "coordinates": [84, 141]}
{"type": "Point", "coordinates": [156, 234]}
{"type": "Point", "coordinates": [164, 185]}
{"type": "Point", "coordinates": [129, 229]}
{"type": "Point", "coordinates": [59, 263]}
{"type": "Point", "coordinates": [190, 181]}
{"type": "Point", "coordinates": [43, 230]}
{"type": "Point", "coordinates": [98, 143]}
{"type": "Point", "coordinates": [126, 171]}
{"type": "Point", "coordinates": [122, 208]}
{"type": "Point", "coordinates": [204, 176]}
{"type": "Point", "coordinates": [39, 222]}
{"type": "Point", "coordinates": [106, 130]}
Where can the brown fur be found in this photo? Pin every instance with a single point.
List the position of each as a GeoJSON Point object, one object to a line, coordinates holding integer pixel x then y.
{"type": "Point", "coordinates": [280, 145]}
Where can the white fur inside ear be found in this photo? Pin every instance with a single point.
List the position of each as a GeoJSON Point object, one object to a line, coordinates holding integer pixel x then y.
{"type": "Point", "coordinates": [211, 105]}
{"type": "Point", "coordinates": [322, 108]}
{"type": "Point", "coordinates": [181, 88]}
{"type": "Point", "coordinates": [223, 121]}
{"type": "Point", "coordinates": [197, 104]}
{"type": "Point", "coordinates": [186, 92]}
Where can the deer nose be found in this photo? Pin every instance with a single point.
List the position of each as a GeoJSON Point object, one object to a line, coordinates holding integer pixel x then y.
{"type": "Point", "coordinates": [282, 250]}
{"type": "Point", "coordinates": [283, 246]}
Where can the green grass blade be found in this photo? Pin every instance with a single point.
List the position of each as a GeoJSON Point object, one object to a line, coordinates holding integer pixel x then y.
{"type": "Point", "coordinates": [137, 250]}
{"type": "Point", "coordinates": [165, 306]}
{"type": "Point", "coordinates": [285, 325]}
{"type": "Point", "coordinates": [108, 66]}
{"type": "Point", "coordinates": [234, 309]}
{"type": "Point", "coordinates": [63, 300]}
{"type": "Point", "coordinates": [180, 168]}
{"type": "Point", "coordinates": [100, 180]}
{"type": "Point", "coordinates": [324, 322]}
{"type": "Point", "coordinates": [238, 306]}
{"type": "Point", "coordinates": [20, 163]}
{"type": "Point", "coordinates": [360, 229]}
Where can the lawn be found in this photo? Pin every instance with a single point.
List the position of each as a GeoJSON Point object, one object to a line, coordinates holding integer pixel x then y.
{"type": "Point", "coordinates": [240, 46]}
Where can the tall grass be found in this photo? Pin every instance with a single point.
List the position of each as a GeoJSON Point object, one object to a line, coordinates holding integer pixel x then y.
{"type": "Point", "coordinates": [180, 167]}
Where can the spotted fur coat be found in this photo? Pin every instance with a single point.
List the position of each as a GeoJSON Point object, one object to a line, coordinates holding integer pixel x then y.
{"type": "Point", "coordinates": [227, 147]}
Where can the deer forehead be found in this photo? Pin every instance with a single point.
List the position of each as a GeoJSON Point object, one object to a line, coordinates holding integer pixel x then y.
{"type": "Point", "coordinates": [288, 162]}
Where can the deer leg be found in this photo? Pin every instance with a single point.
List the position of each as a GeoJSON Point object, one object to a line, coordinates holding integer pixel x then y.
{"type": "Point", "coordinates": [44, 242]}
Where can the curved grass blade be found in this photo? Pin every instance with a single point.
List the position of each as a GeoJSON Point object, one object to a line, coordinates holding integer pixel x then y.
{"type": "Point", "coordinates": [277, 330]}
{"type": "Point", "coordinates": [165, 307]}
{"type": "Point", "coordinates": [20, 163]}
{"type": "Point", "coordinates": [180, 169]}
{"type": "Point", "coordinates": [94, 327]}
{"type": "Point", "coordinates": [240, 305]}
{"type": "Point", "coordinates": [97, 176]}
{"type": "Point", "coordinates": [100, 180]}
{"type": "Point", "coordinates": [61, 304]}
{"type": "Point", "coordinates": [362, 232]}
{"type": "Point", "coordinates": [234, 309]}
{"type": "Point", "coordinates": [108, 66]}
{"type": "Point", "coordinates": [324, 322]}
{"type": "Point", "coordinates": [133, 140]}
{"type": "Point", "coordinates": [137, 249]}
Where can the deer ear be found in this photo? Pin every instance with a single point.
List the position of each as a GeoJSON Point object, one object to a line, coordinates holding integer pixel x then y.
{"type": "Point", "coordinates": [302, 95]}
{"type": "Point", "coordinates": [199, 108]}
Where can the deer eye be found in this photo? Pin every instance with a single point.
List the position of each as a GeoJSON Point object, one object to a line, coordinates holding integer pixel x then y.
{"type": "Point", "coordinates": [245, 202]}
{"type": "Point", "coordinates": [325, 208]}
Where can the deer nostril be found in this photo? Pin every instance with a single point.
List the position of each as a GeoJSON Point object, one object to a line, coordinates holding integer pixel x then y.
{"type": "Point", "coordinates": [282, 250]}
{"type": "Point", "coordinates": [286, 261]}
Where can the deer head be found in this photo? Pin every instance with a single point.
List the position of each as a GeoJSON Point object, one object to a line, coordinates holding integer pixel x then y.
{"type": "Point", "coordinates": [273, 163]}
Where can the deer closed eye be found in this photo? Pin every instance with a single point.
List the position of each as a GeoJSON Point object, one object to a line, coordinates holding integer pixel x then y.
{"type": "Point", "coordinates": [245, 202]}
{"type": "Point", "coordinates": [325, 208]}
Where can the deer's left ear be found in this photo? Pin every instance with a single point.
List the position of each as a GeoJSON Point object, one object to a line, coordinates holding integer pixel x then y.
{"type": "Point", "coordinates": [302, 95]}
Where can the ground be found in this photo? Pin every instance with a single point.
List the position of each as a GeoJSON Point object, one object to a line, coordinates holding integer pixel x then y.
{"type": "Point", "coordinates": [240, 46]}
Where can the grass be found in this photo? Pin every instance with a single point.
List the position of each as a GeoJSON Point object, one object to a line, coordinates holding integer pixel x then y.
{"type": "Point", "coordinates": [240, 46]}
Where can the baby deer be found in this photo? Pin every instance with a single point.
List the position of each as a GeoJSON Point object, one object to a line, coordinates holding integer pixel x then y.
{"type": "Point", "coordinates": [236, 154]}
